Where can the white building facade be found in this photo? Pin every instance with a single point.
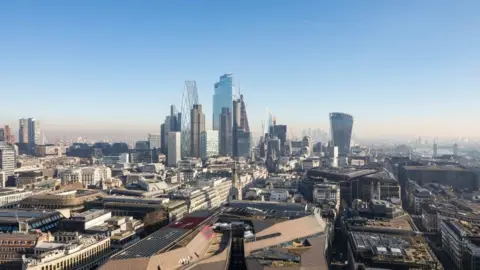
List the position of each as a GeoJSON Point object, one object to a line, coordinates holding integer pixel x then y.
{"type": "Point", "coordinates": [174, 148]}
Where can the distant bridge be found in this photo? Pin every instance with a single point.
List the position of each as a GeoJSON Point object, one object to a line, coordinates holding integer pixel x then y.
{"type": "Point", "coordinates": [436, 147]}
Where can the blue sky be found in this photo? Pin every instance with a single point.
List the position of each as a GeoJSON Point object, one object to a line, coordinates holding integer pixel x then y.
{"type": "Point", "coordinates": [400, 67]}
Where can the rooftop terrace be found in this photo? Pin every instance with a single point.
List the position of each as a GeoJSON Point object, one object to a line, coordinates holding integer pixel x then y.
{"type": "Point", "coordinates": [401, 223]}
{"type": "Point", "coordinates": [392, 249]}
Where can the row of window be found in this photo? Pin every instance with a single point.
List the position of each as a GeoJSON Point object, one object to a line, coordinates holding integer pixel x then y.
{"type": "Point", "coordinates": [16, 242]}
{"type": "Point", "coordinates": [75, 262]}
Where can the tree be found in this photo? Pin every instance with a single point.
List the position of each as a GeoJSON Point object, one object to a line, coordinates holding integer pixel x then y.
{"type": "Point", "coordinates": [154, 221]}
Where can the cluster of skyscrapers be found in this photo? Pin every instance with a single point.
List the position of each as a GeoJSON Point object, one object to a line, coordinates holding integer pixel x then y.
{"type": "Point", "coordinates": [28, 135]}
{"type": "Point", "coordinates": [274, 143]}
{"type": "Point", "coordinates": [184, 134]}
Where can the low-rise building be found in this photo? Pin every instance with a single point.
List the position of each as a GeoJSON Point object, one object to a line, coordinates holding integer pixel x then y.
{"type": "Point", "coordinates": [138, 207]}
{"type": "Point", "coordinates": [327, 196]}
{"type": "Point", "coordinates": [384, 251]}
{"type": "Point", "coordinates": [10, 196]}
{"type": "Point", "coordinates": [417, 195]}
{"type": "Point", "coordinates": [72, 200]}
{"type": "Point", "coordinates": [279, 195]}
{"type": "Point", "coordinates": [23, 220]}
{"type": "Point", "coordinates": [13, 246]}
{"type": "Point", "coordinates": [69, 251]}
{"type": "Point", "coordinates": [80, 222]}
{"type": "Point", "coordinates": [461, 239]}
{"type": "Point", "coordinates": [311, 162]}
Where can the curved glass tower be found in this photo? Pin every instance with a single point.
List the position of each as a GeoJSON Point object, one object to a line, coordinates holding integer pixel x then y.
{"type": "Point", "coordinates": [341, 125]}
{"type": "Point", "coordinates": [222, 98]}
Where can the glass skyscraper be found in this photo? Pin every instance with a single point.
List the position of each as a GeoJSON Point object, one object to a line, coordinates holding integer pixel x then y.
{"type": "Point", "coordinates": [341, 125]}
{"type": "Point", "coordinates": [222, 98]}
{"type": "Point", "coordinates": [209, 143]}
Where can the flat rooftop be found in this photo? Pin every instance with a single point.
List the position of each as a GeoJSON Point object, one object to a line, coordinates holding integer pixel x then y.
{"type": "Point", "coordinates": [392, 248]}
{"type": "Point", "coordinates": [340, 173]}
{"type": "Point", "coordinates": [6, 191]}
{"type": "Point", "coordinates": [164, 238]}
{"type": "Point", "coordinates": [133, 199]}
{"type": "Point", "coordinates": [470, 229]}
{"type": "Point", "coordinates": [24, 213]}
{"type": "Point", "coordinates": [436, 168]}
{"type": "Point", "coordinates": [89, 214]}
{"type": "Point", "coordinates": [401, 223]}
{"type": "Point", "coordinates": [15, 215]}
{"type": "Point", "coordinates": [266, 205]}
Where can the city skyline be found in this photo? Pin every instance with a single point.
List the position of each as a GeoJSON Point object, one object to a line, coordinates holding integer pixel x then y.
{"type": "Point", "coordinates": [393, 66]}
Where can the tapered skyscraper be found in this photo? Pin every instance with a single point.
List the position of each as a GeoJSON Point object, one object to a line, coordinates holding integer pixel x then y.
{"type": "Point", "coordinates": [341, 125]}
{"type": "Point", "coordinates": [222, 98]}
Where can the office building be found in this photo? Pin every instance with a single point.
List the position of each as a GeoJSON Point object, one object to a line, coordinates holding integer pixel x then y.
{"type": "Point", "coordinates": [163, 137]}
{"type": "Point", "coordinates": [11, 196]}
{"type": "Point", "coordinates": [244, 143]}
{"type": "Point", "coordinates": [7, 159]}
{"type": "Point", "coordinates": [189, 98]}
{"type": "Point", "coordinates": [175, 119]}
{"type": "Point", "coordinates": [209, 143]}
{"type": "Point", "coordinates": [173, 122]}
{"type": "Point", "coordinates": [222, 98]}
{"type": "Point", "coordinates": [225, 133]}
{"type": "Point", "coordinates": [174, 148]}
{"type": "Point", "coordinates": [279, 131]}
{"type": "Point", "coordinates": [8, 135]}
{"type": "Point", "coordinates": [70, 251]}
{"type": "Point", "coordinates": [166, 129]}
{"type": "Point", "coordinates": [142, 145]}
{"type": "Point", "coordinates": [33, 133]}
{"type": "Point", "coordinates": [341, 126]}
{"type": "Point", "coordinates": [16, 245]}
{"type": "Point", "coordinates": [235, 126]}
{"type": "Point", "coordinates": [154, 140]}
{"type": "Point", "coordinates": [460, 241]}
{"type": "Point", "coordinates": [23, 131]}
{"type": "Point", "coordinates": [197, 127]}
{"type": "Point", "coordinates": [2, 135]}
{"type": "Point", "coordinates": [62, 200]}
{"type": "Point", "coordinates": [273, 147]}
{"type": "Point", "coordinates": [241, 136]}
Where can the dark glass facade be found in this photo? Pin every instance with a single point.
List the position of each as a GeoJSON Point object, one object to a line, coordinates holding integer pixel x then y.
{"type": "Point", "coordinates": [341, 125]}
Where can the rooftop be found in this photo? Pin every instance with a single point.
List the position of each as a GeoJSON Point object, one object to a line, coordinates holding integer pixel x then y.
{"type": "Point", "coordinates": [267, 205]}
{"type": "Point", "coordinates": [392, 248]}
{"type": "Point", "coordinates": [472, 230]}
{"type": "Point", "coordinates": [340, 173]}
{"type": "Point", "coordinates": [401, 223]}
{"type": "Point", "coordinates": [436, 168]}
{"type": "Point", "coordinates": [6, 191]}
{"type": "Point", "coordinates": [23, 214]}
{"type": "Point", "coordinates": [166, 237]}
{"type": "Point", "coordinates": [89, 214]}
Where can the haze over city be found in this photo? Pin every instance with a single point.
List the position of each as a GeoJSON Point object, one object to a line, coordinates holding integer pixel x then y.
{"type": "Point", "coordinates": [112, 68]}
{"type": "Point", "coordinates": [239, 135]}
